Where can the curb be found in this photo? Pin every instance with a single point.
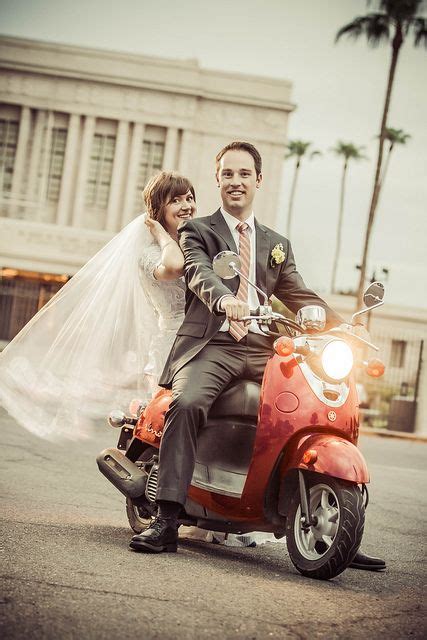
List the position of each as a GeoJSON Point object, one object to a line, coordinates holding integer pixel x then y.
{"type": "Point", "coordinates": [384, 433]}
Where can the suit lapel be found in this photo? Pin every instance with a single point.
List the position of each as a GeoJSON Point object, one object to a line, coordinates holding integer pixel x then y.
{"type": "Point", "coordinates": [222, 229]}
{"type": "Point", "coordinates": [262, 257]}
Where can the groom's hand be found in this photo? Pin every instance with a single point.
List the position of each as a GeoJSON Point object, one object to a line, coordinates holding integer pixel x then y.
{"type": "Point", "coordinates": [234, 309]}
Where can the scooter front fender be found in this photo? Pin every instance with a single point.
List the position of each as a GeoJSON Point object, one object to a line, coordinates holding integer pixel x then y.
{"type": "Point", "coordinates": [335, 457]}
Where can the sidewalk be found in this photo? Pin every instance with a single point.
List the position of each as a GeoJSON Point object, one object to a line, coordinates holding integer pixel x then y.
{"type": "Point", "coordinates": [385, 433]}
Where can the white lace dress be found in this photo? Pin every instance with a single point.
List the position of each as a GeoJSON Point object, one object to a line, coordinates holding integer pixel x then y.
{"type": "Point", "coordinates": [167, 298]}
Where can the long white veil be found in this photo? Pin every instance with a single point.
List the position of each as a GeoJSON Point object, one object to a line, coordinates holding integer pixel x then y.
{"type": "Point", "coordinates": [84, 352]}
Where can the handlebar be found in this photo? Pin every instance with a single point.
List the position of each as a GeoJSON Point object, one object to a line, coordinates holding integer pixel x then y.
{"type": "Point", "coordinates": [265, 315]}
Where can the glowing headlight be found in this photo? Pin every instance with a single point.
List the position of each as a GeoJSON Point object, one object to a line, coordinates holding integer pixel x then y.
{"type": "Point", "coordinates": [337, 359]}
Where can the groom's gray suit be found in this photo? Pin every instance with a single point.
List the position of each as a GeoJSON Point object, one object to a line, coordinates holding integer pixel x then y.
{"type": "Point", "coordinates": [203, 360]}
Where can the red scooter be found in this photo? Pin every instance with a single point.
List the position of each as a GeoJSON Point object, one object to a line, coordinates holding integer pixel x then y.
{"type": "Point", "coordinates": [280, 458]}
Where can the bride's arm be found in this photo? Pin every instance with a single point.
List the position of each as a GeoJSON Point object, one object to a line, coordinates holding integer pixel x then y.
{"type": "Point", "coordinates": [171, 264]}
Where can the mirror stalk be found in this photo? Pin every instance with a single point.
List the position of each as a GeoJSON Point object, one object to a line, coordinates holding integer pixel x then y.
{"type": "Point", "coordinates": [237, 272]}
{"type": "Point", "coordinates": [359, 313]}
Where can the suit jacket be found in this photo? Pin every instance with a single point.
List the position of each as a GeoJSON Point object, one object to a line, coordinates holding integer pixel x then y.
{"type": "Point", "coordinates": [200, 241]}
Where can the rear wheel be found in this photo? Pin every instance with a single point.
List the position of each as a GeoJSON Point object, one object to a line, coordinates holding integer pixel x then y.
{"type": "Point", "coordinates": [139, 518]}
{"type": "Point", "coordinates": [325, 549]}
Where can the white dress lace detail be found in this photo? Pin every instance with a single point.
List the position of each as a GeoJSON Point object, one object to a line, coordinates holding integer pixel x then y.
{"type": "Point", "coordinates": [168, 300]}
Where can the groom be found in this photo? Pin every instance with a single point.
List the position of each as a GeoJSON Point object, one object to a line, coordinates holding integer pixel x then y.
{"type": "Point", "coordinates": [213, 346]}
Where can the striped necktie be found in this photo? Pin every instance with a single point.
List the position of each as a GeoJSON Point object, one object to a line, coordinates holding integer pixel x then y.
{"type": "Point", "coordinates": [238, 329]}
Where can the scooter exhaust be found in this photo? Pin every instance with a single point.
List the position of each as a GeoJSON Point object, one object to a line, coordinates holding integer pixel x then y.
{"type": "Point", "coordinates": [122, 473]}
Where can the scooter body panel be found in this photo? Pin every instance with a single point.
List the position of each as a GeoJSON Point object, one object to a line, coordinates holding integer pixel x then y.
{"type": "Point", "coordinates": [288, 407]}
{"type": "Point", "coordinates": [336, 457]}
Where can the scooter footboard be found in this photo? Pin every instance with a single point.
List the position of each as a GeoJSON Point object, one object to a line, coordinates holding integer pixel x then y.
{"type": "Point", "coordinates": [330, 455]}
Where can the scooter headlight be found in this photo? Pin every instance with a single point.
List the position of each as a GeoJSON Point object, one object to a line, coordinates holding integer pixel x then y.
{"type": "Point", "coordinates": [337, 359]}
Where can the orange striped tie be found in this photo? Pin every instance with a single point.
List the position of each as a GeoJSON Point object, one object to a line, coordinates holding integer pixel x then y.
{"type": "Point", "coordinates": [238, 329]}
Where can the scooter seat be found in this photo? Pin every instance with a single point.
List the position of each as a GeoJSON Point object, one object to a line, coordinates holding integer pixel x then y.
{"type": "Point", "coordinates": [240, 398]}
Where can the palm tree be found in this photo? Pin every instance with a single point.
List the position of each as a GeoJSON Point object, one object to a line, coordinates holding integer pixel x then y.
{"type": "Point", "coordinates": [296, 149]}
{"type": "Point", "coordinates": [393, 137]}
{"type": "Point", "coordinates": [347, 151]}
{"type": "Point", "coordinates": [392, 23]}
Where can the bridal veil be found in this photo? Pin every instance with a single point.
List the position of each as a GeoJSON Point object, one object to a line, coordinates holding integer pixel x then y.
{"type": "Point", "coordinates": [84, 352]}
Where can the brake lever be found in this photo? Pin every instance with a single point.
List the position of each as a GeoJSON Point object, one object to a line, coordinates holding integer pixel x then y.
{"type": "Point", "coordinates": [268, 318]}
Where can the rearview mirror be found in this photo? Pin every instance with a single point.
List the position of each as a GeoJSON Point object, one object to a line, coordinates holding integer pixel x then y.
{"type": "Point", "coordinates": [374, 294]}
{"type": "Point", "coordinates": [225, 264]}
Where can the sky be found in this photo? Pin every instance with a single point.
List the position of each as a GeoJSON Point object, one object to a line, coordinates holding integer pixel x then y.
{"type": "Point", "coordinates": [339, 92]}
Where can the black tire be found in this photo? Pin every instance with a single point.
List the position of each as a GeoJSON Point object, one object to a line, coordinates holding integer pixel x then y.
{"type": "Point", "coordinates": [138, 518]}
{"type": "Point", "coordinates": [326, 550]}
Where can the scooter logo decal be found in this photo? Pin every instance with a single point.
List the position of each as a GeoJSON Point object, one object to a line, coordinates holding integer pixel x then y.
{"type": "Point", "coordinates": [332, 416]}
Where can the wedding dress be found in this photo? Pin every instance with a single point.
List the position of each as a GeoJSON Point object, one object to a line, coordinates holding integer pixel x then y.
{"type": "Point", "coordinates": [167, 298]}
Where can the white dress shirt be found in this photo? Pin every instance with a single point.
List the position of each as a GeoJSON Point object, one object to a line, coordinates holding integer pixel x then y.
{"type": "Point", "coordinates": [253, 300]}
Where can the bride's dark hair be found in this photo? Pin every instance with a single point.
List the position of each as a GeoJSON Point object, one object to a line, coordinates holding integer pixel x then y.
{"type": "Point", "coordinates": [162, 189]}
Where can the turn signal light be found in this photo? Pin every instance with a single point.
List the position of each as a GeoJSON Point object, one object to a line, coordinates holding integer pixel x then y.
{"type": "Point", "coordinates": [284, 346]}
{"type": "Point", "coordinates": [375, 368]}
{"type": "Point", "coordinates": [309, 456]}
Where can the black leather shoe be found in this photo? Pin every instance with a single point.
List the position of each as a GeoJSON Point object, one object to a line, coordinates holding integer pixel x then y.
{"type": "Point", "coordinates": [368, 563]}
{"type": "Point", "coordinates": [162, 535]}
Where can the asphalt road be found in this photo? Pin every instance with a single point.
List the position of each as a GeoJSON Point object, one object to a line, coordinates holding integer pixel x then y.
{"type": "Point", "coordinates": [66, 570]}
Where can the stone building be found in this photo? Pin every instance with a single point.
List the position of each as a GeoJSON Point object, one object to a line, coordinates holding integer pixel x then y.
{"type": "Point", "coordinates": [81, 131]}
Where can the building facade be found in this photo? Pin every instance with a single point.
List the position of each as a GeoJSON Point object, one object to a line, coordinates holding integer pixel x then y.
{"type": "Point", "coordinates": [82, 130]}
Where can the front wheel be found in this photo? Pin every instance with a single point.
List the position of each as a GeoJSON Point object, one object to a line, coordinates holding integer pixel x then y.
{"type": "Point", "coordinates": [325, 549]}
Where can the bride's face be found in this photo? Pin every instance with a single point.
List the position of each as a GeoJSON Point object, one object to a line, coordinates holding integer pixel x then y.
{"type": "Point", "coordinates": [178, 209]}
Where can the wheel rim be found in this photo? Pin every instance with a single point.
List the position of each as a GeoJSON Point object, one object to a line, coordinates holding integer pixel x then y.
{"type": "Point", "coordinates": [316, 541]}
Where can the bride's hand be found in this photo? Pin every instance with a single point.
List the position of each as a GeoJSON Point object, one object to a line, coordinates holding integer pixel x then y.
{"type": "Point", "coordinates": [157, 231]}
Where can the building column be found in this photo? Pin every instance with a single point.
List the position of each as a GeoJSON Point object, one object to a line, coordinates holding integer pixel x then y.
{"type": "Point", "coordinates": [35, 157]}
{"type": "Point", "coordinates": [20, 158]}
{"type": "Point", "coordinates": [70, 158]}
{"type": "Point", "coordinates": [185, 152]}
{"type": "Point", "coordinates": [45, 160]}
{"type": "Point", "coordinates": [132, 174]}
{"type": "Point", "coordinates": [117, 177]}
{"type": "Point", "coordinates": [79, 200]}
{"type": "Point", "coordinates": [171, 148]}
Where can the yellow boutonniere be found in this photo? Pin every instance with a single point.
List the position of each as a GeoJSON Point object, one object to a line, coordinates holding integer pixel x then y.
{"type": "Point", "coordinates": [277, 255]}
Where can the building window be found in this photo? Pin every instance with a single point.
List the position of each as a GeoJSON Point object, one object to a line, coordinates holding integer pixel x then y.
{"type": "Point", "coordinates": [100, 171]}
{"type": "Point", "coordinates": [398, 351]}
{"type": "Point", "coordinates": [55, 163]}
{"type": "Point", "coordinates": [8, 141]}
{"type": "Point", "coordinates": [151, 161]}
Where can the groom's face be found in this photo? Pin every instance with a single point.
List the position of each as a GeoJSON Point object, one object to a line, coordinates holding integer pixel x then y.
{"type": "Point", "coordinates": [238, 182]}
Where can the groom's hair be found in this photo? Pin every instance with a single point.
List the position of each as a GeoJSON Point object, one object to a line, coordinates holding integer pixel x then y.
{"type": "Point", "coordinates": [238, 145]}
{"type": "Point", "coordinates": [162, 189]}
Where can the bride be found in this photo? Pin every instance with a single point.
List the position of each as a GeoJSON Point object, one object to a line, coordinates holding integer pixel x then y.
{"type": "Point", "coordinates": [103, 338]}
